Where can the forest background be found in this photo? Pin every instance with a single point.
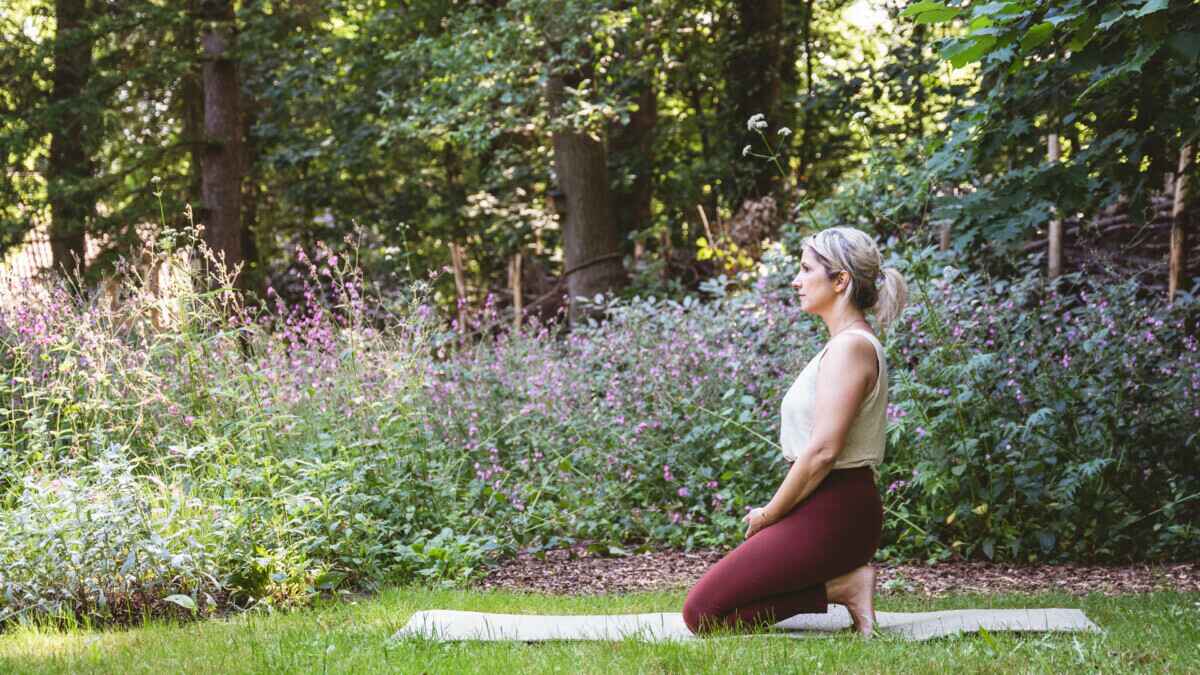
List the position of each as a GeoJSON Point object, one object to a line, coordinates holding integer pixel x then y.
{"type": "Point", "coordinates": [491, 275]}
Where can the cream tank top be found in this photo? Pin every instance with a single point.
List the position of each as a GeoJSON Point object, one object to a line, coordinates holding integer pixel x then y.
{"type": "Point", "coordinates": [868, 433]}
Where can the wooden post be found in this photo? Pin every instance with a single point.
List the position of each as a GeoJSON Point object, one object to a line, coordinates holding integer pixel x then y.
{"type": "Point", "coordinates": [1177, 260]}
{"type": "Point", "coordinates": [460, 283]}
{"type": "Point", "coordinates": [944, 235]}
{"type": "Point", "coordinates": [1054, 263]}
{"type": "Point", "coordinates": [514, 282]}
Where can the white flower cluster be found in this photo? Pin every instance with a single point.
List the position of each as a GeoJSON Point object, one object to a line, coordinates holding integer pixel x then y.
{"type": "Point", "coordinates": [757, 121]}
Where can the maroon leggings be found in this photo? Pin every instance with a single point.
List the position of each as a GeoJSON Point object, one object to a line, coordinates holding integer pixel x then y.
{"type": "Point", "coordinates": [781, 571]}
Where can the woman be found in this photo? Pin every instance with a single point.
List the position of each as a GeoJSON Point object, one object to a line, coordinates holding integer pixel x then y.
{"type": "Point", "coordinates": [813, 542]}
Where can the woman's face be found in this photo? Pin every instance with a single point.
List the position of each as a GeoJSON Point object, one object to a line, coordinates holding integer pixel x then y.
{"type": "Point", "coordinates": [815, 289]}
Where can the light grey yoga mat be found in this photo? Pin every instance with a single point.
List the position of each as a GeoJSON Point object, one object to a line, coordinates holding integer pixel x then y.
{"type": "Point", "coordinates": [446, 624]}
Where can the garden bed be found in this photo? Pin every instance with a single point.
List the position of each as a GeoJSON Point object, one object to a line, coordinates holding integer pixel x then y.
{"type": "Point", "coordinates": [577, 571]}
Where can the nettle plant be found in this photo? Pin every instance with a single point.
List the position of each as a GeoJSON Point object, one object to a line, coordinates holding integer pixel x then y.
{"type": "Point", "coordinates": [1036, 421]}
{"type": "Point", "coordinates": [1027, 422]}
{"type": "Point", "coordinates": [290, 427]}
{"type": "Point", "coordinates": [654, 426]}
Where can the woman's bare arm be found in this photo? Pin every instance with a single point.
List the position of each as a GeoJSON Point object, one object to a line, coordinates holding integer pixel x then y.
{"type": "Point", "coordinates": [844, 379]}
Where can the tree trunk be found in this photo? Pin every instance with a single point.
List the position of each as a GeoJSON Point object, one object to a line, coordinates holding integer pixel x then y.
{"type": "Point", "coordinates": [1177, 258]}
{"type": "Point", "coordinates": [806, 141]}
{"type": "Point", "coordinates": [252, 278]}
{"type": "Point", "coordinates": [221, 181]}
{"type": "Point", "coordinates": [514, 282]}
{"type": "Point", "coordinates": [590, 238]}
{"type": "Point", "coordinates": [1054, 260]}
{"type": "Point", "coordinates": [460, 285]}
{"type": "Point", "coordinates": [631, 145]}
{"type": "Point", "coordinates": [191, 88]}
{"type": "Point", "coordinates": [72, 203]}
{"type": "Point", "coordinates": [754, 75]}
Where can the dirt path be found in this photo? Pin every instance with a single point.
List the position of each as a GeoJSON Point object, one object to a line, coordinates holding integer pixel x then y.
{"type": "Point", "coordinates": [577, 572]}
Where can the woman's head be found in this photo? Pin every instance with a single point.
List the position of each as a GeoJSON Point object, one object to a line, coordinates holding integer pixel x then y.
{"type": "Point", "coordinates": [842, 265]}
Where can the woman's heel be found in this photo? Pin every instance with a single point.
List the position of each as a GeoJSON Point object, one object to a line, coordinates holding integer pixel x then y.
{"type": "Point", "coordinates": [855, 591]}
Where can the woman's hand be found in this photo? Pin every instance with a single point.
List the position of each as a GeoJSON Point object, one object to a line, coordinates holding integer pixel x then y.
{"type": "Point", "coordinates": [757, 520]}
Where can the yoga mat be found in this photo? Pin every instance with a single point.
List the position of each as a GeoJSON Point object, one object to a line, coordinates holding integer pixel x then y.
{"type": "Point", "coordinates": [446, 624]}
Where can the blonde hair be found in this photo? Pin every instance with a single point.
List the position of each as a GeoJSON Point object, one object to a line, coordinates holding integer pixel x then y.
{"type": "Point", "coordinates": [873, 288]}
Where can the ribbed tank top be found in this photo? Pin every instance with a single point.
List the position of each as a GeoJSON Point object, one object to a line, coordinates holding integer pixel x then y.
{"type": "Point", "coordinates": [868, 433]}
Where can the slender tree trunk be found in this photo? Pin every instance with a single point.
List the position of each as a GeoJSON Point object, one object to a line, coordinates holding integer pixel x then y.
{"type": "Point", "coordinates": [944, 234]}
{"type": "Point", "coordinates": [590, 237]}
{"type": "Point", "coordinates": [72, 203]}
{"type": "Point", "coordinates": [1054, 260]}
{"type": "Point", "coordinates": [806, 143]}
{"type": "Point", "coordinates": [755, 72]}
{"type": "Point", "coordinates": [1177, 261]}
{"type": "Point", "coordinates": [252, 277]}
{"type": "Point", "coordinates": [458, 264]}
{"type": "Point", "coordinates": [514, 282]}
{"type": "Point", "coordinates": [631, 145]}
{"type": "Point", "coordinates": [222, 166]}
{"type": "Point", "coordinates": [917, 115]}
{"type": "Point", "coordinates": [191, 89]}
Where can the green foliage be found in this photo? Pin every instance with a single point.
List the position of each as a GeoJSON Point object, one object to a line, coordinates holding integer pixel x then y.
{"type": "Point", "coordinates": [1037, 422]}
{"type": "Point", "coordinates": [183, 444]}
{"type": "Point", "coordinates": [1116, 81]}
{"type": "Point", "coordinates": [1026, 423]}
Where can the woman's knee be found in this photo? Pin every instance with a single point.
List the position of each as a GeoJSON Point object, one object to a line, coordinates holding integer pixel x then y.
{"type": "Point", "coordinates": [699, 616]}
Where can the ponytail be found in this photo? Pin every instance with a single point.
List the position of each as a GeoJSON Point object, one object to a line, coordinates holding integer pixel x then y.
{"type": "Point", "coordinates": [893, 298]}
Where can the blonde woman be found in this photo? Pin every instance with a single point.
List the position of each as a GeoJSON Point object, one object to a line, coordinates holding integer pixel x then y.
{"type": "Point", "coordinates": [813, 542]}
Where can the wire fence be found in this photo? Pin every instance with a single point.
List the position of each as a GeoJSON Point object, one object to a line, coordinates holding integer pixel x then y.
{"type": "Point", "coordinates": [33, 258]}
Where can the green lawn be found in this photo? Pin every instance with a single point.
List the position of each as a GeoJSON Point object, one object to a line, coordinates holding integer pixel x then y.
{"type": "Point", "coordinates": [1156, 632]}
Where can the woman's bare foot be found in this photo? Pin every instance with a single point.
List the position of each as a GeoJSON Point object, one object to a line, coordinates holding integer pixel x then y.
{"type": "Point", "coordinates": [856, 591]}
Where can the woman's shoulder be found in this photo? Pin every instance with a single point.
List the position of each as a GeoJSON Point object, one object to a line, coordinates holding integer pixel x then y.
{"type": "Point", "coordinates": [865, 338]}
{"type": "Point", "coordinates": [849, 349]}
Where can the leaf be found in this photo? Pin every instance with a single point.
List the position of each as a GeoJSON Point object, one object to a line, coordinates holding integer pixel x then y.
{"type": "Point", "coordinates": [962, 52]}
{"type": "Point", "coordinates": [1111, 75]}
{"type": "Point", "coordinates": [182, 600]}
{"type": "Point", "coordinates": [1036, 36]}
{"type": "Point", "coordinates": [1058, 19]}
{"type": "Point", "coordinates": [1081, 37]}
{"type": "Point", "coordinates": [1151, 7]}
{"type": "Point", "coordinates": [1110, 18]}
{"type": "Point", "coordinates": [980, 23]}
{"type": "Point", "coordinates": [987, 637]}
{"type": "Point", "coordinates": [1002, 55]}
{"type": "Point", "coordinates": [938, 16]}
{"type": "Point", "coordinates": [991, 9]}
{"type": "Point", "coordinates": [923, 6]}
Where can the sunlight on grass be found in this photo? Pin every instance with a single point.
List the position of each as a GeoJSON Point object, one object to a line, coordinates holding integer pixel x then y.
{"type": "Point", "coordinates": [1143, 633]}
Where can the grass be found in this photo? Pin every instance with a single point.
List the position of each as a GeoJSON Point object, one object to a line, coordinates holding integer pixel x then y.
{"type": "Point", "coordinates": [1157, 632]}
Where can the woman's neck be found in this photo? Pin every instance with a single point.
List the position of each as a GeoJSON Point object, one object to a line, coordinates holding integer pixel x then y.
{"type": "Point", "coordinates": [836, 325]}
